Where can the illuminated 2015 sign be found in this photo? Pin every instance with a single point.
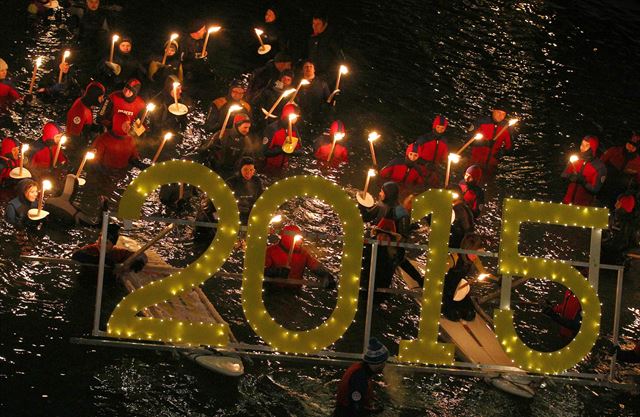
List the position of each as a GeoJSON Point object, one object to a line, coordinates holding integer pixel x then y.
{"type": "Point", "coordinates": [426, 349]}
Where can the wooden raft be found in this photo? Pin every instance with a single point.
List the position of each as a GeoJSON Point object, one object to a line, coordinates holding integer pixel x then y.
{"type": "Point", "coordinates": [192, 305]}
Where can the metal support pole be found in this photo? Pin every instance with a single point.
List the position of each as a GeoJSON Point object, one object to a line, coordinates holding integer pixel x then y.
{"type": "Point", "coordinates": [505, 293]}
{"type": "Point", "coordinates": [616, 319]}
{"type": "Point", "coordinates": [594, 257]}
{"type": "Point", "coordinates": [103, 254]}
{"type": "Point", "coordinates": [370, 294]}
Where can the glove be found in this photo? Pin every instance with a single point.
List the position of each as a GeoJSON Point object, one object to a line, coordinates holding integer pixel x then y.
{"type": "Point", "coordinates": [138, 264]}
{"type": "Point", "coordinates": [328, 282]}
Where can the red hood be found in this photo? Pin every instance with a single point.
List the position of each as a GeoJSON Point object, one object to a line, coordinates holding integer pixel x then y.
{"type": "Point", "coordinates": [287, 234]}
{"type": "Point", "coordinates": [7, 145]}
{"type": "Point", "coordinates": [49, 131]}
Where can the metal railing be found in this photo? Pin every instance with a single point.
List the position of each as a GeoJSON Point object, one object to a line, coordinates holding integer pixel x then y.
{"type": "Point", "coordinates": [342, 358]}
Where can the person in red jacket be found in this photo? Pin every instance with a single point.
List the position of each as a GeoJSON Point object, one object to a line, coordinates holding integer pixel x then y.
{"type": "Point", "coordinates": [497, 138]}
{"type": "Point", "coordinates": [568, 314]}
{"type": "Point", "coordinates": [116, 149]}
{"type": "Point", "coordinates": [126, 101]}
{"type": "Point", "coordinates": [275, 136]}
{"type": "Point", "coordinates": [586, 174]}
{"type": "Point", "coordinates": [9, 159]}
{"type": "Point", "coordinates": [355, 390]}
{"type": "Point", "coordinates": [433, 150]}
{"type": "Point", "coordinates": [45, 149]}
{"type": "Point", "coordinates": [80, 121]}
{"type": "Point", "coordinates": [405, 171]}
{"type": "Point", "coordinates": [8, 94]}
{"type": "Point", "coordinates": [472, 192]}
{"type": "Point", "coordinates": [324, 142]}
{"type": "Point", "coordinates": [623, 169]}
{"type": "Point", "coordinates": [279, 264]}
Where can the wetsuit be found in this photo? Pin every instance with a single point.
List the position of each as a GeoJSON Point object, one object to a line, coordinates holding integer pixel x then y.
{"type": "Point", "coordinates": [463, 309]}
{"type": "Point", "coordinates": [8, 94]}
{"type": "Point", "coordinates": [246, 193]}
{"type": "Point", "coordinates": [473, 196]}
{"type": "Point", "coordinates": [274, 137]}
{"type": "Point", "coordinates": [312, 99]}
{"type": "Point", "coordinates": [115, 149]}
{"type": "Point", "coordinates": [7, 161]}
{"type": "Point", "coordinates": [80, 123]}
{"type": "Point", "coordinates": [218, 112]}
{"type": "Point", "coordinates": [117, 103]}
{"type": "Point", "coordinates": [44, 150]}
{"type": "Point", "coordinates": [568, 314]}
{"type": "Point", "coordinates": [224, 154]}
{"type": "Point", "coordinates": [586, 176]}
{"type": "Point", "coordinates": [324, 51]}
{"type": "Point", "coordinates": [487, 151]}
{"type": "Point", "coordinates": [355, 391]}
{"type": "Point", "coordinates": [623, 167]}
{"type": "Point", "coordinates": [323, 144]}
{"type": "Point", "coordinates": [16, 211]}
{"type": "Point", "coordinates": [405, 172]}
{"type": "Point", "coordinates": [462, 225]}
{"type": "Point", "coordinates": [433, 150]}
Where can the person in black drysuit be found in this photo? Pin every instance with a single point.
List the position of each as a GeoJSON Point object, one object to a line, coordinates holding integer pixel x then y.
{"type": "Point", "coordinates": [463, 265]}
{"type": "Point", "coordinates": [392, 223]}
{"type": "Point", "coordinates": [246, 186]}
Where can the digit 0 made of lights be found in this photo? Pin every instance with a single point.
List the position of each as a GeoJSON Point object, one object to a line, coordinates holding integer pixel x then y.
{"type": "Point", "coordinates": [517, 212]}
{"type": "Point", "coordinates": [278, 336]}
{"type": "Point", "coordinates": [124, 321]}
{"type": "Point", "coordinates": [426, 348]}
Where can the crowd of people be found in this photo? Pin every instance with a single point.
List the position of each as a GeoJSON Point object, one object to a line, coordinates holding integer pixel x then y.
{"type": "Point", "coordinates": [120, 99]}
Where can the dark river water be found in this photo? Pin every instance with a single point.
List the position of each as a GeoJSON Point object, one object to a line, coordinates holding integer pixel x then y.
{"type": "Point", "coordinates": [568, 68]}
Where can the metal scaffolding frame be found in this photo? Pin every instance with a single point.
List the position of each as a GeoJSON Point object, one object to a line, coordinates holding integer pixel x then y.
{"type": "Point", "coordinates": [334, 358]}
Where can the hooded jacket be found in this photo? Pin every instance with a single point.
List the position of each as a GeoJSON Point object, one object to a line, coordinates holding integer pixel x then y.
{"type": "Point", "coordinates": [117, 103]}
{"type": "Point", "coordinates": [80, 116]}
{"type": "Point", "coordinates": [16, 211]}
{"type": "Point", "coordinates": [324, 143]}
{"type": "Point", "coordinates": [45, 148]}
{"type": "Point", "coordinates": [586, 176]}
{"type": "Point", "coordinates": [7, 162]}
{"type": "Point", "coordinates": [115, 149]}
{"type": "Point", "coordinates": [278, 254]}
{"type": "Point", "coordinates": [485, 152]}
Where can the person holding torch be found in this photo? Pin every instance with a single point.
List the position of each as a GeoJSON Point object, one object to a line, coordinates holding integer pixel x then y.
{"type": "Point", "coordinates": [328, 146]}
{"type": "Point", "coordinates": [586, 174]}
{"type": "Point", "coordinates": [289, 259]}
{"type": "Point", "coordinates": [275, 135]}
{"type": "Point", "coordinates": [497, 137]}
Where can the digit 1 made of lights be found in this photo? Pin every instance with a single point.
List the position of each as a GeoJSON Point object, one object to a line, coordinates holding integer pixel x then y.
{"type": "Point", "coordinates": [426, 349]}
{"type": "Point", "coordinates": [124, 321]}
{"type": "Point", "coordinates": [517, 212]}
{"type": "Point", "coordinates": [278, 336]}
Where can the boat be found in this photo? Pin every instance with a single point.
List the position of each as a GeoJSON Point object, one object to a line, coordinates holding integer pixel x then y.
{"type": "Point", "coordinates": [189, 306]}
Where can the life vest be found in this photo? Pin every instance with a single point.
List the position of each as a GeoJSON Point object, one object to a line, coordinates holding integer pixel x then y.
{"type": "Point", "coordinates": [432, 149]}
{"type": "Point", "coordinates": [277, 140]}
{"type": "Point", "coordinates": [115, 152]}
{"type": "Point", "coordinates": [399, 171]}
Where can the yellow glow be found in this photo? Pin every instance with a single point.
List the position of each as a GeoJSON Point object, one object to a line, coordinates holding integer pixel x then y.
{"type": "Point", "coordinates": [151, 107]}
{"type": "Point", "coordinates": [288, 92]}
{"type": "Point", "coordinates": [259, 32]}
{"type": "Point", "coordinates": [344, 69]}
{"type": "Point", "coordinates": [511, 262]}
{"type": "Point", "coordinates": [214, 29]}
{"type": "Point", "coordinates": [573, 158]}
{"type": "Point", "coordinates": [115, 38]}
{"type": "Point", "coordinates": [513, 122]}
{"type": "Point", "coordinates": [90, 155]}
{"type": "Point", "coordinates": [46, 185]}
{"type": "Point", "coordinates": [454, 157]}
{"type": "Point", "coordinates": [173, 37]}
{"type": "Point", "coordinates": [168, 136]}
{"type": "Point", "coordinates": [426, 349]}
{"type": "Point", "coordinates": [63, 140]}
{"type": "Point", "coordinates": [66, 54]}
{"type": "Point", "coordinates": [371, 172]}
{"type": "Point", "coordinates": [278, 336]}
{"type": "Point", "coordinates": [197, 333]}
{"type": "Point", "coordinates": [234, 107]}
{"type": "Point", "coordinates": [373, 136]}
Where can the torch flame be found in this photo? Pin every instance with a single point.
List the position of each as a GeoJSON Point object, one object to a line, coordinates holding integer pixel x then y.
{"type": "Point", "coordinates": [288, 92]}
{"type": "Point", "coordinates": [338, 136]}
{"type": "Point", "coordinates": [46, 185]}
{"type": "Point", "coordinates": [344, 69]}
{"type": "Point", "coordinates": [38, 62]}
{"type": "Point", "coordinates": [173, 37]}
{"type": "Point", "coordinates": [214, 29]}
{"type": "Point", "coordinates": [63, 140]}
{"type": "Point", "coordinates": [293, 117]}
{"type": "Point", "coordinates": [573, 158]}
{"type": "Point", "coordinates": [115, 38]}
{"type": "Point", "coordinates": [478, 136]}
{"type": "Point", "coordinates": [168, 136]}
{"type": "Point", "coordinates": [258, 31]}
{"type": "Point", "coordinates": [235, 107]}
{"type": "Point", "coordinates": [276, 219]}
{"type": "Point", "coordinates": [373, 136]}
{"type": "Point", "coordinates": [482, 277]}
{"type": "Point", "coordinates": [151, 107]}
{"type": "Point", "coordinates": [454, 157]}
{"type": "Point", "coordinates": [25, 148]}
{"type": "Point", "coordinates": [297, 238]}
{"type": "Point", "coordinates": [371, 172]}
{"type": "Point", "coordinates": [67, 53]}
{"type": "Point", "coordinates": [513, 122]}
{"type": "Point", "coordinates": [90, 155]}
